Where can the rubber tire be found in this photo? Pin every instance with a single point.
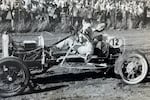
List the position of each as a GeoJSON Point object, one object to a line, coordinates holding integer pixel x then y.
{"type": "Point", "coordinates": [126, 56]}
{"type": "Point", "coordinates": [27, 76]}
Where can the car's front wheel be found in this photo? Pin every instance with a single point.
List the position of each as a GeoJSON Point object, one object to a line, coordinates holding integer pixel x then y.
{"type": "Point", "coordinates": [134, 67]}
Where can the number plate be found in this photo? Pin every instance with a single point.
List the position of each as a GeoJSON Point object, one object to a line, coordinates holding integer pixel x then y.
{"type": "Point", "coordinates": [116, 42]}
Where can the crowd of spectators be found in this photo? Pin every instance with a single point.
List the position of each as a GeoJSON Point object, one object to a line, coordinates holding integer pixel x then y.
{"type": "Point", "coordinates": [117, 14]}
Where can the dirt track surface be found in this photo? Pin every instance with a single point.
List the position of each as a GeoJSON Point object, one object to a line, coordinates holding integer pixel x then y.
{"type": "Point", "coordinates": [65, 84]}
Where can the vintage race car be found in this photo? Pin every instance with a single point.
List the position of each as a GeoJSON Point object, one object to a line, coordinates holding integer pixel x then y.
{"type": "Point", "coordinates": [20, 59]}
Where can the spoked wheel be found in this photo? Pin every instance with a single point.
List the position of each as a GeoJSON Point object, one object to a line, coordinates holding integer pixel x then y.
{"type": "Point", "coordinates": [14, 76]}
{"type": "Point", "coordinates": [134, 68]}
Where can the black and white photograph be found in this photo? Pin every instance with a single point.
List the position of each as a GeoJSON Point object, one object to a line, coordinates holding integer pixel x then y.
{"type": "Point", "coordinates": [74, 49]}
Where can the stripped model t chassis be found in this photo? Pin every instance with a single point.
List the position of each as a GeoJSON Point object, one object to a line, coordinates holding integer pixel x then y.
{"type": "Point", "coordinates": [28, 56]}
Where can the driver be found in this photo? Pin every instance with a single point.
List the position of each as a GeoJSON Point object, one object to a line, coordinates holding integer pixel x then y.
{"type": "Point", "coordinates": [85, 38]}
{"type": "Point", "coordinates": [82, 41]}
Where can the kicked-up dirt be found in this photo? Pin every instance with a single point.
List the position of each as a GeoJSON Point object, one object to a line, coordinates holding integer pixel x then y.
{"type": "Point", "coordinates": [67, 84]}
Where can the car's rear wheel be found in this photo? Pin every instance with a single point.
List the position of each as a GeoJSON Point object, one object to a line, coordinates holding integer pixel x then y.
{"type": "Point", "coordinates": [14, 76]}
{"type": "Point", "coordinates": [134, 68]}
